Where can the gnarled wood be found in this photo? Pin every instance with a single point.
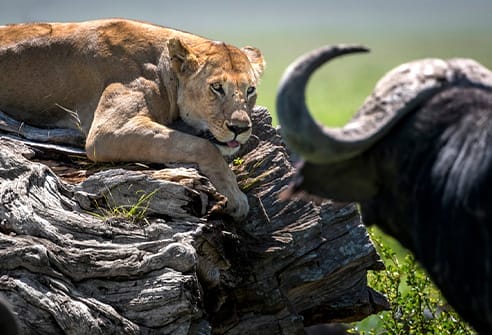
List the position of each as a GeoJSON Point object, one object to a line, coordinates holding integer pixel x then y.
{"type": "Point", "coordinates": [148, 251]}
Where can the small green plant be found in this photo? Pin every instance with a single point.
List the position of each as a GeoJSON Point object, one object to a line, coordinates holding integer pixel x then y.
{"type": "Point", "coordinates": [238, 161]}
{"type": "Point", "coordinates": [135, 213]}
{"type": "Point", "coordinates": [417, 306]}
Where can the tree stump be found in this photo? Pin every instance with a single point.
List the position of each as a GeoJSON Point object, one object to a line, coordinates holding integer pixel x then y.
{"type": "Point", "coordinates": [134, 249]}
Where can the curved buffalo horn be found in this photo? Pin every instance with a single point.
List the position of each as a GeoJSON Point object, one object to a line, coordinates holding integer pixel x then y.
{"type": "Point", "coordinates": [394, 96]}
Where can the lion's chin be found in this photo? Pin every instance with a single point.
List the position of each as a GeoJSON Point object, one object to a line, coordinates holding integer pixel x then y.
{"type": "Point", "coordinates": [227, 149]}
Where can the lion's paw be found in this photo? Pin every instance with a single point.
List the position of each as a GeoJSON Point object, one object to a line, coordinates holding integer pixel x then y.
{"type": "Point", "coordinates": [238, 206]}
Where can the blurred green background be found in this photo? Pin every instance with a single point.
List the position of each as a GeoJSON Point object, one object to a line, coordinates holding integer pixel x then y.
{"type": "Point", "coordinates": [395, 31]}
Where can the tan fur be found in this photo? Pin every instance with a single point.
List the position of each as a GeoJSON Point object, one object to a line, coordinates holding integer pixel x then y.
{"type": "Point", "coordinates": [124, 81]}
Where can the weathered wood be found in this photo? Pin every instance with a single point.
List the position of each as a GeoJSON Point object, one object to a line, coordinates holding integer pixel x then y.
{"type": "Point", "coordinates": [60, 135]}
{"type": "Point", "coordinates": [74, 261]}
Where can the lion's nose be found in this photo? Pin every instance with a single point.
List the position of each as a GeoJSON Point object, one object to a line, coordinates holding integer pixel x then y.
{"type": "Point", "coordinates": [238, 129]}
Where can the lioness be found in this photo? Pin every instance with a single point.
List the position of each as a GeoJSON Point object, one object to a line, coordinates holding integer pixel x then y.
{"type": "Point", "coordinates": [121, 82]}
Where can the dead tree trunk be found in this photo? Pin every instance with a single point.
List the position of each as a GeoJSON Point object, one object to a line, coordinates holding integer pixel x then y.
{"type": "Point", "coordinates": [147, 251]}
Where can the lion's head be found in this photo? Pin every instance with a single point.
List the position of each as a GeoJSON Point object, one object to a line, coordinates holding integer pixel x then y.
{"type": "Point", "coordinates": [217, 89]}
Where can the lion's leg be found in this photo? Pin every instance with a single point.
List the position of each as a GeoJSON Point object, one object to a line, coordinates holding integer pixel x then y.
{"type": "Point", "coordinates": [123, 131]}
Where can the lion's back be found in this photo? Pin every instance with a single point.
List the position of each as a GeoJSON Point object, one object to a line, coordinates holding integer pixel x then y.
{"type": "Point", "coordinates": [19, 33]}
{"type": "Point", "coordinates": [45, 65]}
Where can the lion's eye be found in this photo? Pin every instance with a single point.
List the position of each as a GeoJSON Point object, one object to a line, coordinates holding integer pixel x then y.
{"type": "Point", "coordinates": [250, 91]}
{"type": "Point", "coordinates": [217, 88]}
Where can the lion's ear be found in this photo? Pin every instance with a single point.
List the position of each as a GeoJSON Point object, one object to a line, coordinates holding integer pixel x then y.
{"type": "Point", "coordinates": [182, 58]}
{"type": "Point", "coordinates": [256, 59]}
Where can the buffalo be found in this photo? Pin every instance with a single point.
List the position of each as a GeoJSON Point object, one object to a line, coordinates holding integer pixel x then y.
{"type": "Point", "coordinates": [417, 157]}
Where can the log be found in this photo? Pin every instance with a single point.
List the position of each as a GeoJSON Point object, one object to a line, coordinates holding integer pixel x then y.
{"type": "Point", "coordinates": [136, 249]}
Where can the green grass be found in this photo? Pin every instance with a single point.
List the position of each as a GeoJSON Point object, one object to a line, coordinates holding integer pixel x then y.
{"type": "Point", "coordinates": [417, 306]}
{"type": "Point", "coordinates": [134, 213]}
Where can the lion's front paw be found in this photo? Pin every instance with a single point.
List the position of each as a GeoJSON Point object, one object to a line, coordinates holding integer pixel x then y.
{"type": "Point", "coordinates": [237, 206]}
{"type": "Point", "coordinates": [225, 183]}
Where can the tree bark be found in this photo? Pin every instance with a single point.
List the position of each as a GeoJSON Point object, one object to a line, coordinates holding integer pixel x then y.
{"type": "Point", "coordinates": [134, 249]}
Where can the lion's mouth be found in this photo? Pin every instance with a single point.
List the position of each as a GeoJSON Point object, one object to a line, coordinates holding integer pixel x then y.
{"type": "Point", "coordinates": [231, 144]}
